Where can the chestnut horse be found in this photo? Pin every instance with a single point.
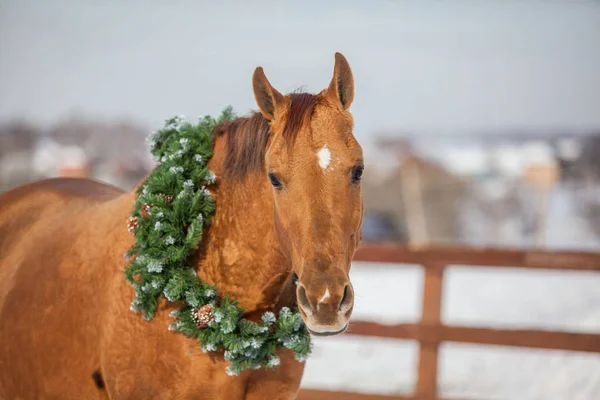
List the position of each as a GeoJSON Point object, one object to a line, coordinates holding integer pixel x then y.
{"type": "Point", "coordinates": [288, 200]}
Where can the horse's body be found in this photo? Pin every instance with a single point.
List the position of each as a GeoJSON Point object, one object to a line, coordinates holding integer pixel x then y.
{"type": "Point", "coordinates": [66, 331]}
{"type": "Point", "coordinates": [64, 307]}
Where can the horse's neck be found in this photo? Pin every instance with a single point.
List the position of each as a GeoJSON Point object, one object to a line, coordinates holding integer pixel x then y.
{"type": "Point", "coordinates": [243, 256]}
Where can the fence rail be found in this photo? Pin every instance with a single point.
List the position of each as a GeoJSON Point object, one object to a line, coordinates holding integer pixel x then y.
{"type": "Point", "coordinates": [430, 332]}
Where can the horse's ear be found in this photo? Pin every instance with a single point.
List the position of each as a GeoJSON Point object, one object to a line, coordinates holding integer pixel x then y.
{"type": "Point", "coordinates": [267, 98]}
{"type": "Point", "coordinates": [341, 88]}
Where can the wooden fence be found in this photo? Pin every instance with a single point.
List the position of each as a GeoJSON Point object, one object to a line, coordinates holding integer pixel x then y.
{"type": "Point", "coordinates": [430, 332]}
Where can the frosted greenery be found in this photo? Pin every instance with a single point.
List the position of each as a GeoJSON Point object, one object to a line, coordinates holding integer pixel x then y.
{"type": "Point", "coordinates": [173, 207]}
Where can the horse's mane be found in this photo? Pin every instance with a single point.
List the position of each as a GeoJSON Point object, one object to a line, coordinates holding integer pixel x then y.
{"type": "Point", "coordinates": [247, 136]}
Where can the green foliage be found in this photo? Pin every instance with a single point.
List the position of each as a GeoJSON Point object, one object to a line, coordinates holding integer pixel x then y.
{"type": "Point", "coordinates": [168, 233]}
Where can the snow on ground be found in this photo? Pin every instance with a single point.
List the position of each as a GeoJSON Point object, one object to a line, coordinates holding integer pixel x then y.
{"type": "Point", "coordinates": [473, 297]}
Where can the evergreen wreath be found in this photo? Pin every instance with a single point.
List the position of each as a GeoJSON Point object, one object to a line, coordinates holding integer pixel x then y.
{"type": "Point", "coordinates": [172, 208]}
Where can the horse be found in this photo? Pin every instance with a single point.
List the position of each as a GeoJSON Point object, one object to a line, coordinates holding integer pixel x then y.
{"type": "Point", "coordinates": [287, 223]}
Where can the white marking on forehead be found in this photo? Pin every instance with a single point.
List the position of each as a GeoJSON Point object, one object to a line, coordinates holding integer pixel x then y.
{"type": "Point", "coordinates": [325, 296]}
{"type": "Point", "coordinates": [324, 157]}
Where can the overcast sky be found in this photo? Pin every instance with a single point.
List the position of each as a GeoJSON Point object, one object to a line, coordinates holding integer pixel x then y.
{"type": "Point", "coordinates": [420, 66]}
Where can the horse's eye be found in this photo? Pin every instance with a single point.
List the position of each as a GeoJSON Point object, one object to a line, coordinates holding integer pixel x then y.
{"type": "Point", "coordinates": [357, 173]}
{"type": "Point", "coordinates": [275, 181]}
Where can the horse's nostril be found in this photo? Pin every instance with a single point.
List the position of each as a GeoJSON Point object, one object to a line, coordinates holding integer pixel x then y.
{"type": "Point", "coordinates": [303, 300]}
{"type": "Point", "coordinates": [346, 298]}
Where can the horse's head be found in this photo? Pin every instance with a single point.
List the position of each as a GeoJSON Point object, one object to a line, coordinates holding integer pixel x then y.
{"type": "Point", "coordinates": [315, 165]}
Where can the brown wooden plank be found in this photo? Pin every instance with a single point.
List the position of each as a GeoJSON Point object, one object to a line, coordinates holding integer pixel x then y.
{"type": "Point", "coordinates": [483, 257]}
{"type": "Point", "coordinates": [426, 387]}
{"type": "Point", "coordinates": [309, 394]}
{"type": "Point", "coordinates": [538, 339]}
{"type": "Point", "coordinates": [432, 294]}
{"type": "Point", "coordinates": [312, 394]}
{"type": "Point", "coordinates": [400, 331]}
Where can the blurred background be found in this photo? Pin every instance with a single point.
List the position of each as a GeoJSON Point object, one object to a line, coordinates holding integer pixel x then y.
{"type": "Point", "coordinates": [480, 122]}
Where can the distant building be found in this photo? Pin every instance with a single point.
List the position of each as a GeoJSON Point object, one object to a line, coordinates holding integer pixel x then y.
{"type": "Point", "coordinates": [420, 200]}
{"type": "Point", "coordinates": [114, 153]}
{"type": "Point", "coordinates": [17, 142]}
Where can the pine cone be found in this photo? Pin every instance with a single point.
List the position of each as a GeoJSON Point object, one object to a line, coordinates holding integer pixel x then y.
{"type": "Point", "coordinates": [203, 316]}
{"type": "Point", "coordinates": [166, 197]}
{"type": "Point", "coordinates": [132, 225]}
{"type": "Point", "coordinates": [145, 210]}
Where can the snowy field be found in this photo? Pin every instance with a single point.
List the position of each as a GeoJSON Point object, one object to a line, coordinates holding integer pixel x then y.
{"type": "Point", "coordinates": [472, 297]}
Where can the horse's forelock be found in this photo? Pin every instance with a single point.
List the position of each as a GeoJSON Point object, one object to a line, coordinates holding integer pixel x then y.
{"type": "Point", "coordinates": [247, 137]}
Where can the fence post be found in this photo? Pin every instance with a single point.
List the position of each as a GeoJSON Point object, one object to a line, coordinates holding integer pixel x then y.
{"type": "Point", "coordinates": [431, 316]}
